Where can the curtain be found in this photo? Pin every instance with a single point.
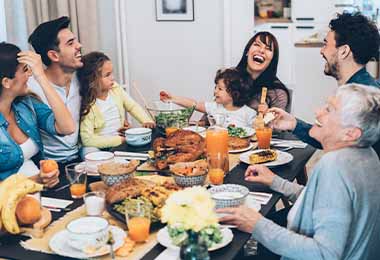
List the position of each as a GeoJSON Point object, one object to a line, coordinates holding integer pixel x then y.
{"type": "Point", "coordinates": [98, 25]}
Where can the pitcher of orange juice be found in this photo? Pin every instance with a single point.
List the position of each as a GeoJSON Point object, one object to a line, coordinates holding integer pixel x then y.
{"type": "Point", "coordinates": [217, 138]}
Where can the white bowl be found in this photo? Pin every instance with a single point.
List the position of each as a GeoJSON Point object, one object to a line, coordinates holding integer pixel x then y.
{"type": "Point", "coordinates": [95, 158]}
{"type": "Point", "coordinates": [87, 233]}
{"type": "Point", "coordinates": [138, 136]}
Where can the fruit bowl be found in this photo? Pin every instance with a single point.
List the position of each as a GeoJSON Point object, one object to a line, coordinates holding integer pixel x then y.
{"type": "Point", "coordinates": [168, 114]}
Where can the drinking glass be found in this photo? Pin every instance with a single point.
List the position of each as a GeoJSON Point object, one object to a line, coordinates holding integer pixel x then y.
{"type": "Point", "coordinates": [216, 167]}
{"type": "Point", "coordinates": [138, 222]}
{"type": "Point", "coordinates": [94, 202]}
{"type": "Point", "coordinates": [264, 135]}
{"type": "Point", "coordinates": [77, 176]}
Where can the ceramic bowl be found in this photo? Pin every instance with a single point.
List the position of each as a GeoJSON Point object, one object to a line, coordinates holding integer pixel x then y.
{"type": "Point", "coordinates": [189, 181]}
{"type": "Point", "coordinates": [229, 195]}
{"type": "Point", "coordinates": [114, 172]}
{"type": "Point", "coordinates": [138, 136]}
{"type": "Point", "coordinates": [94, 159]}
{"type": "Point", "coordinates": [87, 233]}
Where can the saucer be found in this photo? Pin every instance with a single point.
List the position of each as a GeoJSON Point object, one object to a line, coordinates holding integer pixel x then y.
{"type": "Point", "coordinates": [58, 244]}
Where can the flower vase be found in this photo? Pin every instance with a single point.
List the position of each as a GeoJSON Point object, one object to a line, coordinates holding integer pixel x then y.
{"type": "Point", "coordinates": [193, 248]}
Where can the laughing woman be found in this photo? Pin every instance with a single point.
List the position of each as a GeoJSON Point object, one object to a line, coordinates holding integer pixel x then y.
{"type": "Point", "coordinates": [258, 67]}
{"type": "Point", "coordinates": [21, 115]}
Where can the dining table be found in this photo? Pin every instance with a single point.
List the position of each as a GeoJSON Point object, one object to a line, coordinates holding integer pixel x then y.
{"type": "Point", "coordinates": [10, 247]}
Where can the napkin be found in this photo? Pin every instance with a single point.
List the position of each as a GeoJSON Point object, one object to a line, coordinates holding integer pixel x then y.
{"type": "Point", "coordinates": [288, 143]}
{"type": "Point", "coordinates": [260, 198]}
{"type": "Point", "coordinates": [168, 254]}
{"type": "Point", "coordinates": [55, 203]}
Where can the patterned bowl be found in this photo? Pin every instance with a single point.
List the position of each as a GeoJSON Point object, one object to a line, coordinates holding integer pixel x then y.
{"type": "Point", "coordinates": [229, 195]}
{"type": "Point", "coordinates": [189, 181]}
{"type": "Point", "coordinates": [113, 173]}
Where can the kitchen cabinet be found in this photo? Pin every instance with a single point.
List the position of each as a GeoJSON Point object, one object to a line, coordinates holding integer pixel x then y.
{"type": "Point", "coordinates": [312, 86]}
{"type": "Point", "coordinates": [283, 33]}
{"type": "Point", "coordinates": [305, 11]}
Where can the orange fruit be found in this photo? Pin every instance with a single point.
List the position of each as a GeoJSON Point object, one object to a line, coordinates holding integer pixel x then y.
{"type": "Point", "coordinates": [49, 166]}
{"type": "Point", "coordinates": [28, 211]}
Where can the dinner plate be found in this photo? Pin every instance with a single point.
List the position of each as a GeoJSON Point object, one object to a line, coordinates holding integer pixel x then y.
{"type": "Point", "coordinates": [249, 132]}
{"type": "Point", "coordinates": [194, 128]}
{"type": "Point", "coordinates": [58, 244]}
{"type": "Point", "coordinates": [282, 158]}
{"type": "Point", "coordinates": [164, 239]}
{"type": "Point", "coordinates": [251, 146]}
{"type": "Point", "coordinates": [92, 172]}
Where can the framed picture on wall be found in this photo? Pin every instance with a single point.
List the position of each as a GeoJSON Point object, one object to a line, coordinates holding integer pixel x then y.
{"type": "Point", "coordinates": [174, 10]}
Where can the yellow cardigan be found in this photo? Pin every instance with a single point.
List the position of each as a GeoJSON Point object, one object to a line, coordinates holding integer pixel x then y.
{"type": "Point", "coordinates": [93, 122]}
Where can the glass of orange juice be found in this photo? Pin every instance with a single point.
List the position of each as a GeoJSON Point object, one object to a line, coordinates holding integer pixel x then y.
{"type": "Point", "coordinates": [138, 222]}
{"type": "Point", "coordinates": [264, 135]}
{"type": "Point", "coordinates": [77, 176]}
{"type": "Point", "coordinates": [216, 167]}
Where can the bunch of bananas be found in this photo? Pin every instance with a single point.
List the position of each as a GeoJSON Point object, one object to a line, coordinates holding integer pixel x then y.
{"type": "Point", "coordinates": [12, 190]}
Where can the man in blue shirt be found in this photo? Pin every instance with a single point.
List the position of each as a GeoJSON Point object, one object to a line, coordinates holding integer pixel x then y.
{"type": "Point", "coordinates": [352, 41]}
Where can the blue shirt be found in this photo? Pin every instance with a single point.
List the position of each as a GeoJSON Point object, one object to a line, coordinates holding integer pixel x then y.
{"type": "Point", "coordinates": [302, 128]}
{"type": "Point", "coordinates": [30, 115]}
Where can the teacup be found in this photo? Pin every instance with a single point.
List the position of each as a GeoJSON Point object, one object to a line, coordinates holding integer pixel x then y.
{"type": "Point", "coordinates": [87, 233]}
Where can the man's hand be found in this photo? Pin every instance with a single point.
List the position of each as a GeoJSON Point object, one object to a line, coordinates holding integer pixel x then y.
{"type": "Point", "coordinates": [259, 173]}
{"type": "Point", "coordinates": [34, 62]}
{"type": "Point", "coordinates": [243, 218]}
{"type": "Point", "coordinates": [283, 120]}
{"type": "Point", "coordinates": [49, 179]}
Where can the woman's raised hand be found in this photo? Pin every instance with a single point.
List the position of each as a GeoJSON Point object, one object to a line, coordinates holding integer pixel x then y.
{"type": "Point", "coordinates": [33, 60]}
{"type": "Point", "coordinates": [259, 173]}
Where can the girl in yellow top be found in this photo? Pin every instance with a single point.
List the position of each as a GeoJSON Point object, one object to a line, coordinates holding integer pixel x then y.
{"type": "Point", "coordinates": [104, 104]}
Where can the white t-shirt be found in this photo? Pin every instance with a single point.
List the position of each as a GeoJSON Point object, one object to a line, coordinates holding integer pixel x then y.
{"type": "Point", "coordinates": [29, 149]}
{"type": "Point", "coordinates": [61, 148]}
{"type": "Point", "coordinates": [111, 116]}
{"type": "Point", "coordinates": [243, 117]}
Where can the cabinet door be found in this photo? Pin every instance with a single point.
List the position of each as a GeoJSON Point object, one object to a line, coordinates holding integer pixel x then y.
{"type": "Point", "coordinates": [305, 11]}
{"type": "Point", "coordinates": [283, 34]}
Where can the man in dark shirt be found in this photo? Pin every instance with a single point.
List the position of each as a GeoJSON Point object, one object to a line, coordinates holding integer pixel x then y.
{"type": "Point", "coordinates": [351, 42]}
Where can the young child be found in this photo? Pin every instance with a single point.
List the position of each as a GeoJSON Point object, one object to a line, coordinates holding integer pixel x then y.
{"type": "Point", "coordinates": [230, 95]}
{"type": "Point", "coordinates": [104, 104]}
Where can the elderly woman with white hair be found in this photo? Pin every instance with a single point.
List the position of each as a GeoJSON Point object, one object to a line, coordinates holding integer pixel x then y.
{"type": "Point", "coordinates": [336, 216]}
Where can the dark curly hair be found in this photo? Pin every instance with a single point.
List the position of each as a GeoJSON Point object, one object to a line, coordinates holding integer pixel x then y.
{"type": "Point", "coordinates": [358, 32]}
{"type": "Point", "coordinates": [8, 61]}
{"type": "Point", "coordinates": [235, 86]}
{"type": "Point", "coordinates": [88, 77]}
{"type": "Point", "coordinates": [267, 78]}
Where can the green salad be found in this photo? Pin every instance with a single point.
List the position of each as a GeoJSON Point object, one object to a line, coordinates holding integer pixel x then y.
{"type": "Point", "coordinates": [178, 118]}
{"type": "Point", "coordinates": [236, 131]}
{"type": "Point", "coordinates": [209, 235]}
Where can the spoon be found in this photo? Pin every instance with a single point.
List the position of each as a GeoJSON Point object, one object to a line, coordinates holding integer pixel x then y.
{"type": "Point", "coordinates": [110, 242]}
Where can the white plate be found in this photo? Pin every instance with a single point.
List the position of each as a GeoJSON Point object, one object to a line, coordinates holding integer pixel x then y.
{"type": "Point", "coordinates": [282, 158]}
{"type": "Point", "coordinates": [251, 146]}
{"type": "Point", "coordinates": [164, 239]}
{"type": "Point", "coordinates": [197, 129]}
{"type": "Point", "coordinates": [58, 244]}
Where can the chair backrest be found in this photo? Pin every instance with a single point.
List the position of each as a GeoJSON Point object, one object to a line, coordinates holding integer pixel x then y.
{"type": "Point", "coordinates": [289, 106]}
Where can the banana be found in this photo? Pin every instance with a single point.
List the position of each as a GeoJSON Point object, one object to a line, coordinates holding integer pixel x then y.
{"type": "Point", "coordinates": [8, 215]}
{"type": "Point", "coordinates": [7, 185]}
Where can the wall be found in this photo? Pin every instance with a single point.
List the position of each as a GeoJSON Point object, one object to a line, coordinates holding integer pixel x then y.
{"type": "Point", "coordinates": [182, 57]}
{"type": "Point", "coordinates": [3, 32]}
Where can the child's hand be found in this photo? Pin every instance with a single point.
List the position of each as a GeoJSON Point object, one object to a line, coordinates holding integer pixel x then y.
{"type": "Point", "coordinates": [149, 125]}
{"type": "Point", "coordinates": [122, 129]}
{"type": "Point", "coordinates": [165, 96]}
{"type": "Point", "coordinates": [262, 108]}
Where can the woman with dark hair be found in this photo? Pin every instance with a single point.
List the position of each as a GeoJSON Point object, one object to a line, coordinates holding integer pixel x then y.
{"type": "Point", "coordinates": [21, 115]}
{"type": "Point", "coordinates": [104, 104]}
{"type": "Point", "coordinates": [258, 67]}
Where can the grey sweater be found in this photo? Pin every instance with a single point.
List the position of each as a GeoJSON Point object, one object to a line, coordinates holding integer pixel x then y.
{"type": "Point", "coordinates": [339, 217]}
